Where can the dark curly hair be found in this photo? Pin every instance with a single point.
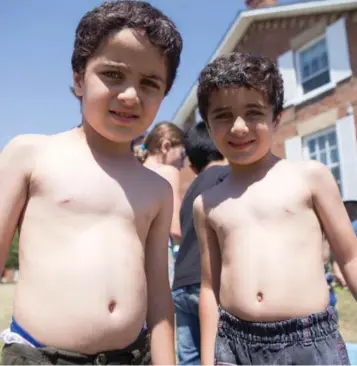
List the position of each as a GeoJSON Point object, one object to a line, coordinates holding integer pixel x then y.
{"type": "Point", "coordinates": [117, 15]}
{"type": "Point", "coordinates": [236, 70]}
{"type": "Point", "coordinates": [200, 148]}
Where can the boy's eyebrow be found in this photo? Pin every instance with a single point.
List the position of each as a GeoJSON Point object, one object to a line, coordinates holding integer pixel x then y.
{"type": "Point", "coordinates": [254, 105]}
{"type": "Point", "coordinates": [220, 109]}
{"type": "Point", "coordinates": [114, 64]}
{"type": "Point", "coordinates": [155, 77]}
{"type": "Point", "coordinates": [123, 66]}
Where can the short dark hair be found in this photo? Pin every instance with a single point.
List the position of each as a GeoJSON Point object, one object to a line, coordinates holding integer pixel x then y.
{"type": "Point", "coordinates": [236, 70]}
{"type": "Point", "coordinates": [98, 23]}
{"type": "Point", "coordinates": [200, 148]}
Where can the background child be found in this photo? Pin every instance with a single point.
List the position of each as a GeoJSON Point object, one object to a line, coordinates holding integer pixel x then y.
{"type": "Point", "coordinates": [206, 161]}
{"type": "Point", "coordinates": [163, 152]}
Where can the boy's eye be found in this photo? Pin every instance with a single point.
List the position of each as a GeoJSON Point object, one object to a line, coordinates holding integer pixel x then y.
{"type": "Point", "coordinates": [150, 83]}
{"type": "Point", "coordinates": [254, 113]}
{"type": "Point", "coordinates": [113, 74]}
{"type": "Point", "coordinates": [224, 115]}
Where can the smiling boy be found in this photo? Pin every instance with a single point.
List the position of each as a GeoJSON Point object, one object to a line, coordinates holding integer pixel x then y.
{"type": "Point", "coordinates": [261, 231]}
{"type": "Point", "coordinates": [93, 222]}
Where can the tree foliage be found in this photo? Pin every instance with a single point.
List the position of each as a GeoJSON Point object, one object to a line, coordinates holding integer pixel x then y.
{"type": "Point", "coordinates": [13, 257]}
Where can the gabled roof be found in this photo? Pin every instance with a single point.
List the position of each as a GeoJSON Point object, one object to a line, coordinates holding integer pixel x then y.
{"type": "Point", "coordinates": [245, 19]}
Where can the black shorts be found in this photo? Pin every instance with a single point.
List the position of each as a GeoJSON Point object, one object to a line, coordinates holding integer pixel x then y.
{"type": "Point", "coordinates": [311, 340]}
{"type": "Point", "coordinates": [137, 353]}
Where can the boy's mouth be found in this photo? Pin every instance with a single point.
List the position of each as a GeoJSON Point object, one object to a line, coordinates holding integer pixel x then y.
{"type": "Point", "coordinates": [124, 116]}
{"type": "Point", "coordinates": [241, 144]}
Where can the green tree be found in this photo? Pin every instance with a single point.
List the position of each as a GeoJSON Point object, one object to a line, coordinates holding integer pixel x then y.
{"type": "Point", "coordinates": [13, 257]}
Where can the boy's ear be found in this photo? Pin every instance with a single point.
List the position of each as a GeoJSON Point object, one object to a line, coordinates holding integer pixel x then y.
{"type": "Point", "coordinates": [77, 85]}
{"type": "Point", "coordinates": [165, 146]}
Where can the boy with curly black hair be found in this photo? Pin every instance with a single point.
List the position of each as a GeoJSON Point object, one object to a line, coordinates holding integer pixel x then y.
{"type": "Point", "coordinates": [261, 230]}
{"type": "Point", "coordinates": [94, 223]}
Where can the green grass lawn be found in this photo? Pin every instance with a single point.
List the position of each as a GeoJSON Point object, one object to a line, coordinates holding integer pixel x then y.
{"type": "Point", "coordinates": [347, 309]}
{"type": "Point", "coordinates": [347, 313]}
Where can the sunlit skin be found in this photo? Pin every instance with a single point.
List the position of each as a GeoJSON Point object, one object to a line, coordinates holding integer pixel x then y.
{"type": "Point", "coordinates": [260, 230]}
{"type": "Point", "coordinates": [94, 223]}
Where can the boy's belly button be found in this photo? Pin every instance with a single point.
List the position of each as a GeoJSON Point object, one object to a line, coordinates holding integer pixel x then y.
{"type": "Point", "coordinates": [260, 296]}
{"type": "Point", "coordinates": [111, 306]}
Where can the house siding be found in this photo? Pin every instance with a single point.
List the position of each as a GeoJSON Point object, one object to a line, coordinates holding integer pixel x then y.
{"type": "Point", "coordinates": [273, 38]}
{"type": "Point", "coordinates": [267, 38]}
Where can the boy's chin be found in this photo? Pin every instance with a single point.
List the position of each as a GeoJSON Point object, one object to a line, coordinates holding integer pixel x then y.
{"type": "Point", "coordinates": [244, 160]}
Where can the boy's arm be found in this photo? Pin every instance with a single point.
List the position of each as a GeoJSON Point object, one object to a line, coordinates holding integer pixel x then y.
{"type": "Point", "coordinates": [210, 282]}
{"type": "Point", "coordinates": [15, 171]}
{"type": "Point", "coordinates": [335, 221]}
{"type": "Point", "coordinates": [172, 175]}
{"type": "Point", "coordinates": [160, 317]}
{"type": "Point", "coordinates": [338, 274]}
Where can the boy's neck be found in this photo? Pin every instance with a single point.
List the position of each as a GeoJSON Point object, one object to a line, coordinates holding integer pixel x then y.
{"type": "Point", "coordinates": [255, 171]}
{"type": "Point", "coordinates": [102, 146]}
{"type": "Point", "coordinates": [154, 160]}
{"type": "Point", "coordinates": [215, 163]}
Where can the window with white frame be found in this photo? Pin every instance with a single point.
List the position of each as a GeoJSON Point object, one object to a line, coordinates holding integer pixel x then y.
{"type": "Point", "coordinates": [313, 65]}
{"type": "Point", "coordinates": [316, 67]}
{"type": "Point", "coordinates": [323, 147]}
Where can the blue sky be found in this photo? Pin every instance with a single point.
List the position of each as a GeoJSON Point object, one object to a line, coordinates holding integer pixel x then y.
{"type": "Point", "coordinates": [36, 47]}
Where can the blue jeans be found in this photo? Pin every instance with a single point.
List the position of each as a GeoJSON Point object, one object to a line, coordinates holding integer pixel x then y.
{"type": "Point", "coordinates": [187, 324]}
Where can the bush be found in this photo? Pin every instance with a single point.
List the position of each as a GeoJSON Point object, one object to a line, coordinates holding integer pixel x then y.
{"type": "Point", "coordinates": [13, 257]}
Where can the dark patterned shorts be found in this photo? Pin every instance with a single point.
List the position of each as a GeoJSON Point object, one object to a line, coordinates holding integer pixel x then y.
{"type": "Point", "coordinates": [137, 353]}
{"type": "Point", "coordinates": [312, 340]}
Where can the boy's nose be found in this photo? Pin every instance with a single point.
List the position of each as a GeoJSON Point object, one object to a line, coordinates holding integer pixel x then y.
{"type": "Point", "coordinates": [128, 96]}
{"type": "Point", "coordinates": [240, 127]}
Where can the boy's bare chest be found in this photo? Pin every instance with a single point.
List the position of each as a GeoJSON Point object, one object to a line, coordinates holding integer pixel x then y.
{"type": "Point", "coordinates": [260, 205]}
{"type": "Point", "coordinates": [90, 189]}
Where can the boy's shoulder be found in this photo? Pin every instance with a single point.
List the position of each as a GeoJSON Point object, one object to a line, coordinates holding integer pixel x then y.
{"type": "Point", "coordinates": [210, 198]}
{"type": "Point", "coordinates": [309, 170]}
{"type": "Point", "coordinates": [168, 172]}
{"type": "Point", "coordinates": [154, 182]}
{"type": "Point", "coordinates": [22, 148]}
{"type": "Point", "coordinates": [25, 141]}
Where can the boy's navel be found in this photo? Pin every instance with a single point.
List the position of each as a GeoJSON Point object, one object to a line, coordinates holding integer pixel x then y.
{"type": "Point", "coordinates": [111, 306]}
{"type": "Point", "coordinates": [260, 296]}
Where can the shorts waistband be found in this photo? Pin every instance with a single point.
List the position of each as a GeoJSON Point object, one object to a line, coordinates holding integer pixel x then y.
{"type": "Point", "coordinates": [309, 328]}
{"type": "Point", "coordinates": [137, 353]}
{"type": "Point", "coordinates": [15, 327]}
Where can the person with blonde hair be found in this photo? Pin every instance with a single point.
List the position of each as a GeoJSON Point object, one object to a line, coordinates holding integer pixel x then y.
{"type": "Point", "coordinates": [163, 152]}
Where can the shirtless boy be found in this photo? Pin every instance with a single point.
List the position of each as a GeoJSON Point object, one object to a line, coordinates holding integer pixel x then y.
{"type": "Point", "coordinates": [93, 222]}
{"type": "Point", "coordinates": [260, 231]}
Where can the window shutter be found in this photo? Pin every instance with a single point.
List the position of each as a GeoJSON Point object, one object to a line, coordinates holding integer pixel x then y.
{"type": "Point", "coordinates": [293, 148]}
{"type": "Point", "coordinates": [338, 53]}
{"type": "Point", "coordinates": [347, 146]}
{"type": "Point", "coordinates": [288, 72]}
